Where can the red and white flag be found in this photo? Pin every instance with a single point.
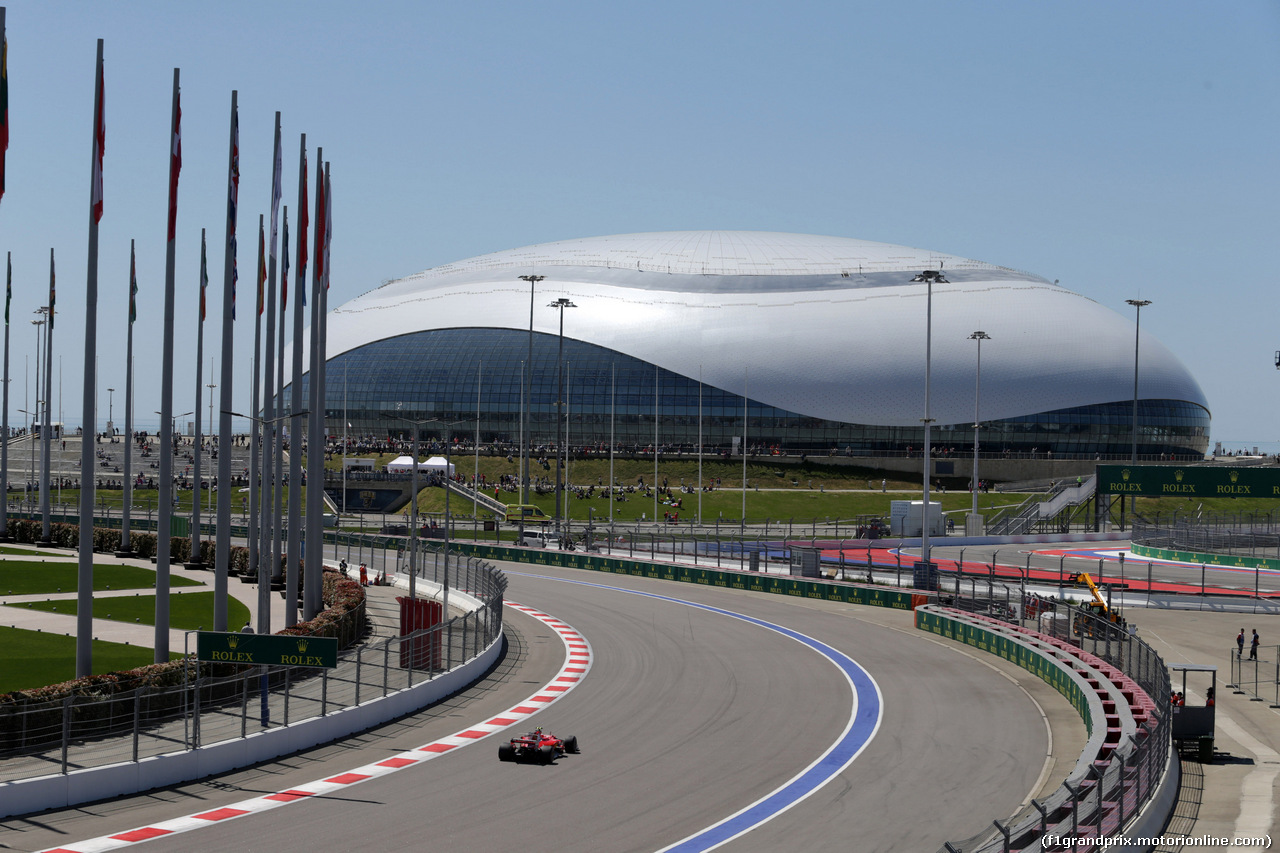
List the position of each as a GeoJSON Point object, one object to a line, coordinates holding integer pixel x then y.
{"type": "Point", "coordinates": [175, 166]}
{"type": "Point", "coordinates": [99, 146]}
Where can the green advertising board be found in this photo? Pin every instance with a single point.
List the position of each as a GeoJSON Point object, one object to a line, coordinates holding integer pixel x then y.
{"type": "Point", "coordinates": [266, 649]}
{"type": "Point", "coordinates": [900, 599]}
{"type": "Point", "coordinates": [1192, 481]}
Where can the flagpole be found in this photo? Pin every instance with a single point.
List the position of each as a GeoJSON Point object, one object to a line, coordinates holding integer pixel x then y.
{"type": "Point", "coordinates": [315, 440]}
{"type": "Point", "coordinates": [164, 530]}
{"type": "Point", "coordinates": [475, 474]}
{"type": "Point", "coordinates": [194, 560]}
{"type": "Point", "coordinates": [277, 531]}
{"type": "Point", "coordinates": [46, 529]}
{"type": "Point", "coordinates": [255, 408]}
{"type": "Point", "coordinates": [4, 428]}
{"type": "Point", "coordinates": [222, 548]}
{"type": "Point", "coordinates": [269, 550]}
{"type": "Point", "coordinates": [125, 550]}
{"type": "Point", "coordinates": [295, 402]}
{"type": "Point", "coordinates": [84, 594]}
{"type": "Point", "coordinates": [8, 290]}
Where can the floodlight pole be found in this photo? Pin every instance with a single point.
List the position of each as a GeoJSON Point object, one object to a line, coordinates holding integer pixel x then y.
{"type": "Point", "coordinates": [1138, 305]}
{"type": "Point", "coordinates": [562, 424]}
{"type": "Point", "coordinates": [929, 277]}
{"type": "Point", "coordinates": [978, 336]}
{"type": "Point", "coordinates": [526, 420]}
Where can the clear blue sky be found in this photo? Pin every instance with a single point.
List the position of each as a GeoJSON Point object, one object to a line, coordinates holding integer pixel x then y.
{"type": "Point", "coordinates": [1127, 149]}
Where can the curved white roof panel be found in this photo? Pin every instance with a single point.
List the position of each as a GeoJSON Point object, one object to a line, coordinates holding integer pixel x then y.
{"type": "Point", "coordinates": [828, 327]}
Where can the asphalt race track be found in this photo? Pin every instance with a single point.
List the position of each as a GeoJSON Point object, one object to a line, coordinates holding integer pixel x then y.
{"type": "Point", "coordinates": [686, 717]}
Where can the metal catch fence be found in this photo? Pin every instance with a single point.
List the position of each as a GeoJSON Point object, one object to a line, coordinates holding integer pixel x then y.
{"type": "Point", "coordinates": [1257, 677]}
{"type": "Point", "coordinates": [1110, 795]}
{"type": "Point", "coordinates": [41, 738]}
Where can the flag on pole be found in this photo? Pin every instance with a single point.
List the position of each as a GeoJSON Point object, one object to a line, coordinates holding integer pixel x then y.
{"type": "Point", "coordinates": [233, 200]}
{"type": "Point", "coordinates": [133, 285]}
{"type": "Point", "coordinates": [328, 225]}
{"type": "Point", "coordinates": [4, 107]}
{"type": "Point", "coordinates": [99, 146]}
{"type": "Point", "coordinates": [53, 290]}
{"type": "Point", "coordinates": [175, 166]}
{"type": "Point", "coordinates": [284, 278]}
{"type": "Point", "coordinates": [320, 223]}
{"type": "Point", "coordinates": [262, 269]}
{"type": "Point", "coordinates": [277, 188]}
{"type": "Point", "coordinates": [204, 275]}
{"type": "Point", "coordinates": [304, 219]}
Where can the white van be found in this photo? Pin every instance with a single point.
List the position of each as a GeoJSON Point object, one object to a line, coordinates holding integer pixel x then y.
{"type": "Point", "coordinates": [535, 539]}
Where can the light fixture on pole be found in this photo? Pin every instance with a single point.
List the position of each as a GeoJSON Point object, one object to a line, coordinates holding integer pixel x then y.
{"type": "Point", "coordinates": [930, 278]}
{"type": "Point", "coordinates": [526, 421]}
{"type": "Point", "coordinates": [562, 452]}
{"type": "Point", "coordinates": [975, 519]}
{"type": "Point", "coordinates": [1138, 305]}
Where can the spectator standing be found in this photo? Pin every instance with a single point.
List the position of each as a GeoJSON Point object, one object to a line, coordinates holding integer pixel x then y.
{"type": "Point", "coordinates": [1253, 645]}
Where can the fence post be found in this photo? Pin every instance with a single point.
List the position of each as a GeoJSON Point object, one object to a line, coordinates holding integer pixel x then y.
{"type": "Point", "coordinates": [137, 715]}
{"type": "Point", "coordinates": [1075, 808]}
{"type": "Point", "coordinates": [244, 707]}
{"type": "Point", "coordinates": [195, 712]}
{"type": "Point", "coordinates": [324, 692]}
{"type": "Point", "coordinates": [1044, 815]}
{"type": "Point", "coordinates": [359, 649]}
{"type": "Point", "coordinates": [1004, 832]}
{"type": "Point", "coordinates": [66, 730]}
{"type": "Point", "coordinates": [1120, 793]}
{"type": "Point", "coordinates": [1277, 700]}
{"type": "Point", "coordinates": [288, 680]}
{"type": "Point", "coordinates": [386, 665]}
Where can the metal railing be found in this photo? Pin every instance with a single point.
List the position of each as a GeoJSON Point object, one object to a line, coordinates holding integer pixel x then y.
{"type": "Point", "coordinates": [1256, 677]}
{"type": "Point", "coordinates": [41, 738]}
{"type": "Point", "coordinates": [1112, 792]}
{"type": "Point", "coordinates": [1236, 536]}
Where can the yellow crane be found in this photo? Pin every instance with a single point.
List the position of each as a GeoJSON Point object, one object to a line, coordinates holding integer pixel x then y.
{"type": "Point", "coordinates": [1098, 607]}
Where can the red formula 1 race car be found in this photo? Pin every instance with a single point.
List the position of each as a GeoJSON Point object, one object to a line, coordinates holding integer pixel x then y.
{"type": "Point", "coordinates": [537, 746]}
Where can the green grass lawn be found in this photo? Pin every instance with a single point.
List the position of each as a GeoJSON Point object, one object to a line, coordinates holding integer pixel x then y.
{"type": "Point", "coordinates": [29, 577]}
{"type": "Point", "coordinates": [7, 550]}
{"type": "Point", "coordinates": [34, 659]}
{"type": "Point", "coordinates": [187, 612]}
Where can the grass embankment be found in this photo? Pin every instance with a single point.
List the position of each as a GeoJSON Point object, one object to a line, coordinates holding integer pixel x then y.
{"type": "Point", "coordinates": [187, 612]}
{"type": "Point", "coordinates": [29, 577]}
{"type": "Point", "coordinates": [34, 659]}
{"type": "Point", "coordinates": [146, 500]}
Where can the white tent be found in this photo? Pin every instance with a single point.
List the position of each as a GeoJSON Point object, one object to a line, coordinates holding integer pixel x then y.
{"type": "Point", "coordinates": [436, 464]}
{"type": "Point", "coordinates": [400, 464]}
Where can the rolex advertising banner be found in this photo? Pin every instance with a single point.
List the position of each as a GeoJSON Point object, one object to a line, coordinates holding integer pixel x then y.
{"type": "Point", "coordinates": [1196, 481]}
{"type": "Point", "coordinates": [266, 649]}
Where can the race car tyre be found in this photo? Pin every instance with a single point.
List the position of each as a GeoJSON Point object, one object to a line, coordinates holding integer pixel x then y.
{"type": "Point", "coordinates": [547, 754]}
{"type": "Point", "coordinates": [571, 745]}
{"type": "Point", "coordinates": [506, 752]}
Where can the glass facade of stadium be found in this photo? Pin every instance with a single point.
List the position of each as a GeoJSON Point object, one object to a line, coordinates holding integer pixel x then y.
{"type": "Point", "coordinates": [449, 374]}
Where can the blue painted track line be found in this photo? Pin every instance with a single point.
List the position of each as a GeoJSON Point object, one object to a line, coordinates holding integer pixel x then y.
{"type": "Point", "coordinates": [864, 722]}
